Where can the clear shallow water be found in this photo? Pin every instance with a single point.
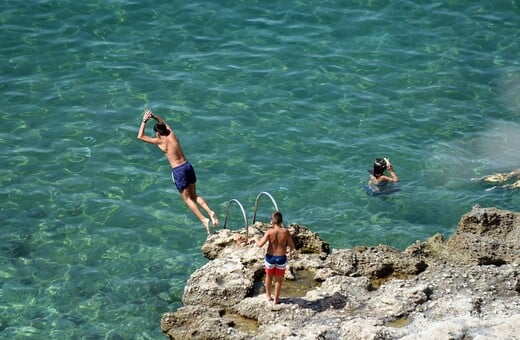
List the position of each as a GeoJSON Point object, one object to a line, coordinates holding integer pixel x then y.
{"type": "Point", "coordinates": [292, 98]}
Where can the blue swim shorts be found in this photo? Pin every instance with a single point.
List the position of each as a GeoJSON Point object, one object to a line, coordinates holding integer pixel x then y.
{"type": "Point", "coordinates": [275, 265]}
{"type": "Point", "coordinates": [183, 175]}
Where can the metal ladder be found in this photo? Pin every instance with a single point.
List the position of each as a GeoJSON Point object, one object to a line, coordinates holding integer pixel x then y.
{"type": "Point", "coordinates": [263, 193]}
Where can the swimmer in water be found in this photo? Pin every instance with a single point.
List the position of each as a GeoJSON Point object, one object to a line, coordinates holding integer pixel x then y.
{"type": "Point", "coordinates": [501, 177]}
{"type": "Point", "coordinates": [378, 179]}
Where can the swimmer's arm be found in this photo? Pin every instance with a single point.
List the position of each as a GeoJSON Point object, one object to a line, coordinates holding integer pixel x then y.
{"type": "Point", "coordinates": [393, 174]}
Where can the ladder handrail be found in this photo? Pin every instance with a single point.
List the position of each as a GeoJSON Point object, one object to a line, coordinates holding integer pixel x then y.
{"type": "Point", "coordinates": [256, 203]}
{"type": "Point", "coordinates": [243, 214]}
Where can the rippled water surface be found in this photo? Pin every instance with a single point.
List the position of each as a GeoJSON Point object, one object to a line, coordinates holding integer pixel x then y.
{"type": "Point", "coordinates": [295, 98]}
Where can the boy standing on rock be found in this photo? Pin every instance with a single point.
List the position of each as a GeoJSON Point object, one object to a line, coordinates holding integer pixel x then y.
{"type": "Point", "coordinates": [276, 256]}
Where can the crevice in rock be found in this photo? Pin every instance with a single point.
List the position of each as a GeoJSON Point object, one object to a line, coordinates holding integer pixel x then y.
{"type": "Point", "coordinates": [302, 282]}
{"type": "Point", "coordinates": [240, 322]}
{"type": "Point", "coordinates": [488, 260]}
{"type": "Point", "coordinates": [377, 282]}
{"type": "Point", "coordinates": [398, 323]}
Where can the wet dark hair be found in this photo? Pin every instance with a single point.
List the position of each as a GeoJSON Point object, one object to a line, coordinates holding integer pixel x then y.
{"type": "Point", "coordinates": [161, 129]}
{"type": "Point", "coordinates": [379, 167]}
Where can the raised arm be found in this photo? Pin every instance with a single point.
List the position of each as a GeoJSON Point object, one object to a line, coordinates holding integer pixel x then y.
{"type": "Point", "coordinates": [393, 174]}
{"type": "Point", "coordinates": [141, 134]}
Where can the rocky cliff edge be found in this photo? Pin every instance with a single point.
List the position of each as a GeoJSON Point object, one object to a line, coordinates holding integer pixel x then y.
{"type": "Point", "coordinates": [466, 287]}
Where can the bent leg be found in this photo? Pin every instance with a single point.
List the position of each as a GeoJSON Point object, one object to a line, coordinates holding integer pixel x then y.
{"type": "Point", "coordinates": [202, 203]}
{"type": "Point", "coordinates": [189, 197]}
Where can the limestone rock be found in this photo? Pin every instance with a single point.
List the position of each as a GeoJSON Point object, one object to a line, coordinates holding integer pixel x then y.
{"type": "Point", "coordinates": [484, 236]}
{"type": "Point", "coordinates": [487, 236]}
{"type": "Point", "coordinates": [465, 287]}
{"type": "Point", "coordinates": [220, 283]}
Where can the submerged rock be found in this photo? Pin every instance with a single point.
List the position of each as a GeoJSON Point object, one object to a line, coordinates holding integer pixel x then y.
{"type": "Point", "coordinates": [464, 287]}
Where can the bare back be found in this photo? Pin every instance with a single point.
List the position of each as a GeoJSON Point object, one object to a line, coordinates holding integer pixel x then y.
{"type": "Point", "coordinates": [279, 239]}
{"type": "Point", "coordinates": [171, 147]}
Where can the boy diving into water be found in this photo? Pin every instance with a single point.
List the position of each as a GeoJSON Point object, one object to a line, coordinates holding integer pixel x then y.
{"type": "Point", "coordinates": [183, 173]}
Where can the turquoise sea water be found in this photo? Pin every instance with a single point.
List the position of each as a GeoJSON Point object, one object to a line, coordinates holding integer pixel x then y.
{"type": "Point", "coordinates": [295, 98]}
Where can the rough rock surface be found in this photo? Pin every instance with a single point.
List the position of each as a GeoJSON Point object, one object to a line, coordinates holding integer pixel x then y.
{"type": "Point", "coordinates": [467, 287]}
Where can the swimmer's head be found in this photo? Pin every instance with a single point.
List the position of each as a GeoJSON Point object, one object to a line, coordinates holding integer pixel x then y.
{"type": "Point", "coordinates": [161, 129]}
{"type": "Point", "coordinates": [380, 166]}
